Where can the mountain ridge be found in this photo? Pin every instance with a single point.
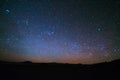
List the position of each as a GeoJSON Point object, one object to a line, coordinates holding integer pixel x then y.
{"type": "Point", "coordinates": [30, 62]}
{"type": "Point", "coordinates": [28, 70]}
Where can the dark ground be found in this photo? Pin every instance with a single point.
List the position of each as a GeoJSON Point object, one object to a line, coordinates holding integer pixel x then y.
{"type": "Point", "coordinates": [42, 71]}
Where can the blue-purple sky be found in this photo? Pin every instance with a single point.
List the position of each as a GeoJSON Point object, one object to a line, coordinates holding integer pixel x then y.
{"type": "Point", "coordinates": [65, 31]}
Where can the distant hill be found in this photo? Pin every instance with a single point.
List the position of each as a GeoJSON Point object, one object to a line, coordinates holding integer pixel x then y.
{"type": "Point", "coordinates": [29, 62]}
{"type": "Point", "coordinates": [106, 65]}
{"type": "Point", "coordinates": [29, 70]}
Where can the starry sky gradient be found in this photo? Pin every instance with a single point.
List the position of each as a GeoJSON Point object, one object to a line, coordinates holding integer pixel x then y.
{"type": "Point", "coordinates": [67, 31]}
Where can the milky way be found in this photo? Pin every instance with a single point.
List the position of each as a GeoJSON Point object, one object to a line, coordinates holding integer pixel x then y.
{"type": "Point", "coordinates": [67, 31]}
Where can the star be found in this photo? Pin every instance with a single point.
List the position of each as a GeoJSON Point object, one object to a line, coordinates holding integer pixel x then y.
{"type": "Point", "coordinates": [99, 29]}
{"type": "Point", "coordinates": [7, 11]}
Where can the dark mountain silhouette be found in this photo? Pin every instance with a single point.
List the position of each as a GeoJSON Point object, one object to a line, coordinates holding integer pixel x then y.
{"type": "Point", "coordinates": [28, 70]}
{"type": "Point", "coordinates": [28, 62]}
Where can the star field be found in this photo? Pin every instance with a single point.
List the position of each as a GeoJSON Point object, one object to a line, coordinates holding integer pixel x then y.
{"type": "Point", "coordinates": [71, 31]}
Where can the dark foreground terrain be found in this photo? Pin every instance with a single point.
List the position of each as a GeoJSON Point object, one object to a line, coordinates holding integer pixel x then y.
{"type": "Point", "coordinates": [42, 71]}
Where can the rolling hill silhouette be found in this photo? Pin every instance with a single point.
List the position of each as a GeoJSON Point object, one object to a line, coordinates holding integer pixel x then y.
{"type": "Point", "coordinates": [28, 70]}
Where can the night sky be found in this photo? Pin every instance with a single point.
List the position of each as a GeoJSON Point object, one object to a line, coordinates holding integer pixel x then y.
{"type": "Point", "coordinates": [63, 31]}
